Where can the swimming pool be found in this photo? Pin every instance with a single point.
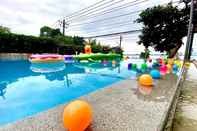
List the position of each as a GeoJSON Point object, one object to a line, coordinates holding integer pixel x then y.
{"type": "Point", "coordinates": [26, 89]}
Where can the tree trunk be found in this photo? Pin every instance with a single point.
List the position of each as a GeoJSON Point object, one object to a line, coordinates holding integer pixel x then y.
{"type": "Point", "coordinates": [173, 52]}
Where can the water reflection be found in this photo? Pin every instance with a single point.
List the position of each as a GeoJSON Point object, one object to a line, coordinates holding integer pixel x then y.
{"type": "Point", "coordinates": [61, 71]}
{"type": "Point", "coordinates": [158, 91]}
{"type": "Point", "coordinates": [47, 67]}
{"type": "Point", "coordinates": [3, 86]}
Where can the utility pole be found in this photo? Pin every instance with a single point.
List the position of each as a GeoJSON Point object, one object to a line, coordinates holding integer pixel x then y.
{"type": "Point", "coordinates": [190, 33]}
{"type": "Point", "coordinates": [120, 42]}
{"type": "Point", "coordinates": [63, 26]}
{"type": "Point", "coordinates": [121, 45]}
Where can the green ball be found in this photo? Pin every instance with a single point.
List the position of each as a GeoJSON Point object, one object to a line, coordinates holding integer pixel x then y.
{"type": "Point", "coordinates": [144, 66]}
{"type": "Point", "coordinates": [134, 67]}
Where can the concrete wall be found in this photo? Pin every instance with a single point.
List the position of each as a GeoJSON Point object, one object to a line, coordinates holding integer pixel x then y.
{"type": "Point", "coordinates": [14, 56]}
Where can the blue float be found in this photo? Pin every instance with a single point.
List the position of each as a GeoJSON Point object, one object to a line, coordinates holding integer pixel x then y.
{"type": "Point", "coordinates": [155, 74]}
{"type": "Point", "coordinates": [129, 66]}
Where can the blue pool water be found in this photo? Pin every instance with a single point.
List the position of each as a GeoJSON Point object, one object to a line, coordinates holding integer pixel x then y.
{"type": "Point", "coordinates": [26, 89]}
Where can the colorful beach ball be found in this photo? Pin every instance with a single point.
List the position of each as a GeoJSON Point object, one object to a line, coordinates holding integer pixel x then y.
{"type": "Point", "coordinates": [77, 116]}
{"type": "Point", "coordinates": [155, 74]}
{"type": "Point", "coordinates": [146, 80]}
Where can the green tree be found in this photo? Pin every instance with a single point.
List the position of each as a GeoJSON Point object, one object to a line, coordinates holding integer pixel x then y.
{"type": "Point", "coordinates": [49, 32]}
{"type": "Point", "coordinates": [4, 29]}
{"type": "Point", "coordinates": [163, 28]}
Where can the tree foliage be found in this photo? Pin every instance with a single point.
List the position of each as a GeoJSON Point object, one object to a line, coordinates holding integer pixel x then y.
{"type": "Point", "coordinates": [4, 29]}
{"type": "Point", "coordinates": [46, 31]}
{"type": "Point", "coordinates": [49, 42]}
{"type": "Point", "coordinates": [163, 28]}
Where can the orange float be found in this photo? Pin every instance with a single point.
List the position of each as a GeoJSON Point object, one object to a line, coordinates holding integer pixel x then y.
{"type": "Point", "coordinates": [88, 49]}
{"type": "Point", "coordinates": [77, 115]}
{"type": "Point", "coordinates": [146, 80]}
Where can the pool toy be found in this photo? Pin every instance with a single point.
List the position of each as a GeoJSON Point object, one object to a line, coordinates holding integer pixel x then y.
{"type": "Point", "coordinates": [187, 65]}
{"type": "Point", "coordinates": [150, 65]}
{"type": "Point", "coordinates": [144, 67]}
{"type": "Point", "coordinates": [163, 69]}
{"type": "Point", "coordinates": [87, 49]}
{"type": "Point", "coordinates": [179, 63]}
{"type": "Point", "coordinates": [160, 61]}
{"type": "Point", "coordinates": [155, 74]}
{"type": "Point", "coordinates": [113, 62]}
{"type": "Point", "coordinates": [105, 62]}
{"type": "Point", "coordinates": [45, 58]}
{"type": "Point", "coordinates": [129, 66]}
{"type": "Point", "coordinates": [150, 60]}
{"type": "Point", "coordinates": [170, 61]}
{"type": "Point", "coordinates": [146, 80]}
{"type": "Point", "coordinates": [77, 115]}
{"type": "Point", "coordinates": [68, 59]}
{"type": "Point", "coordinates": [97, 57]}
{"type": "Point", "coordinates": [169, 68]}
{"type": "Point", "coordinates": [155, 65]}
{"type": "Point", "coordinates": [125, 57]}
{"type": "Point", "coordinates": [134, 67]}
{"type": "Point", "coordinates": [175, 67]}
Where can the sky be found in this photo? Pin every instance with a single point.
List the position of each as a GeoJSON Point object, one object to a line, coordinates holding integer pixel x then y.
{"type": "Point", "coordinates": [28, 16]}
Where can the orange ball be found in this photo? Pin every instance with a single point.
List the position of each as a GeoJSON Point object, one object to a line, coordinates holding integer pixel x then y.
{"type": "Point", "coordinates": [171, 61]}
{"type": "Point", "coordinates": [146, 80]}
{"type": "Point", "coordinates": [169, 67]}
{"type": "Point", "coordinates": [77, 115]}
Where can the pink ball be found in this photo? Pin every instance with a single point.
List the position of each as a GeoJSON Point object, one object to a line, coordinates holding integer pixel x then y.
{"type": "Point", "coordinates": [163, 69]}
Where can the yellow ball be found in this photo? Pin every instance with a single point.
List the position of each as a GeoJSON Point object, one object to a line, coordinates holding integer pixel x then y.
{"type": "Point", "coordinates": [187, 65]}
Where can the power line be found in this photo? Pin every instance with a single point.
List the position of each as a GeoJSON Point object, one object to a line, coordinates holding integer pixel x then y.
{"type": "Point", "coordinates": [130, 13]}
{"type": "Point", "coordinates": [108, 25]}
{"type": "Point", "coordinates": [85, 9]}
{"type": "Point", "coordinates": [105, 5]}
{"type": "Point", "coordinates": [113, 34]}
{"type": "Point", "coordinates": [126, 5]}
{"type": "Point", "coordinates": [117, 16]}
{"type": "Point", "coordinates": [104, 31]}
{"type": "Point", "coordinates": [82, 10]}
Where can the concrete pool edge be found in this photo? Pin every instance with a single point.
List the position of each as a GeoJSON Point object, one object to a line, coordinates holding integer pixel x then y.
{"type": "Point", "coordinates": [26, 124]}
{"type": "Point", "coordinates": [168, 123]}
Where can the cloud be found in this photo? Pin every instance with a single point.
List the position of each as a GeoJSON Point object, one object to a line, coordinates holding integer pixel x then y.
{"type": "Point", "coordinates": [27, 16]}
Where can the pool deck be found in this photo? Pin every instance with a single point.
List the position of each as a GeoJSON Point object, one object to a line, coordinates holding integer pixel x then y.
{"type": "Point", "coordinates": [123, 106]}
